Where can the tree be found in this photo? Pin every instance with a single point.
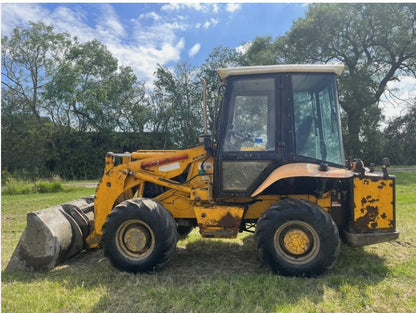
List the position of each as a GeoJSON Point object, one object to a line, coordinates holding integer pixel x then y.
{"type": "Point", "coordinates": [22, 147]}
{"type": "Point", "coordinates": [178, 96]}
{"type": "Point", "coordinates": [30, 58]}
{"type": "Point", "coordinates": [220, 57]}
{"type": "Point", "coordinates": [377, 44]}
{"type": "Point", "coordinates": [90, 92]}
{"type": "Point", "coordinates": [129, 101]}
{"type": "Point", "coordinates": [400, 136]}
{"type": "Point", "coordinates": [64, 103]}
{"type": "Point", "coordinates": [262, 51]}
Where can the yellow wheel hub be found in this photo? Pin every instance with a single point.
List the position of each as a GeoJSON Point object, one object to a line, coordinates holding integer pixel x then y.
{"type": "Point", "coordinates": [136, 239]}
{"type": "Point", "coordinates": [296, 242]}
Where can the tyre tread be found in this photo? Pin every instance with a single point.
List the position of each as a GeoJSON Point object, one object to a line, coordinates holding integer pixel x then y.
{"type": "Point", "coordinates": [284, 210]}
{"type": "Point", "coordinates": [164, 227]}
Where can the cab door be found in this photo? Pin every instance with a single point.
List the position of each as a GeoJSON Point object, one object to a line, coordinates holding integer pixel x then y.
{"type": "Point", "coordinates": [249, 135]}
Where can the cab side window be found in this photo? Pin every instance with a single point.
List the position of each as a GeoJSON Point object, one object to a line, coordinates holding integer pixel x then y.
{"type": "Point", "coordinates": [252, 110]}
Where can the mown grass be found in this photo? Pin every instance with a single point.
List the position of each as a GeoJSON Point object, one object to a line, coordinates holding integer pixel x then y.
{"type": "Point", "coordinates": [215, 275]}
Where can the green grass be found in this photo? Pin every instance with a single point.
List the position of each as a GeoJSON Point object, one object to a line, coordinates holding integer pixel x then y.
{"type": "Point", "coordinates": [19, 187]}
{"type": "Point", "coordinates": [214, 275]}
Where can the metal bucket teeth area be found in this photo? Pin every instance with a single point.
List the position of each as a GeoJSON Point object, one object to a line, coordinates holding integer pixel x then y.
{"type": "Point", "coordinates": [53, 235]}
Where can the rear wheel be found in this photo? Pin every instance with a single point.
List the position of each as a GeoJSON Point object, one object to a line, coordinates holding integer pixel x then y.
{"type": "Point", "coordinates": [139, 236]}
{"type": "Point", "coordinates": [296, 237]}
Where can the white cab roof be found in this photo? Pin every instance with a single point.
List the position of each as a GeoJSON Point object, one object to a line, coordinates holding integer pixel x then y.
{"type": "Point", "coordinates": [283, 68]}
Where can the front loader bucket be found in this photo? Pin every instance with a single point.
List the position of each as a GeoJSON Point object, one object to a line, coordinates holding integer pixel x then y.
{"type": "Point", "coordinates": [53, 235]}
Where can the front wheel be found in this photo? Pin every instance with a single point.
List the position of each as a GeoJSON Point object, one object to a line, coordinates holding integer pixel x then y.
{"type": "Point", "coordinates": [139, 236]}
{"type": "Point", "coordinates": [297, 238]}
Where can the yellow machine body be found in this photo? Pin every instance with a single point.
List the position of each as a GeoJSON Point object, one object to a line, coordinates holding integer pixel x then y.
{"type": "Point", "coordinates": [193, 199]}
{"type": "Point", "coordinates": [374, 204]}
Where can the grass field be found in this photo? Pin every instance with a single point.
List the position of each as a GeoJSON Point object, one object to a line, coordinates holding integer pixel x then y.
{"type": "Point", "coordinates": [214, 275]}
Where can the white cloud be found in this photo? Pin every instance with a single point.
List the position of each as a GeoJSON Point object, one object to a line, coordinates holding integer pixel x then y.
{"type": "Point", "coordinates": [144, 59]}
{"type": "Point", "coordinates": [244, 47]}
{"type": "Point", "coordinates": [109, 24]}
{"type": "Point", "coordinates": [194, 50]}
{"type": "Point", "coordinates": [150, 15]}
{"type": "Point", "coordinates": [66, 20]}
{"type": "Point", "coordinates": [154, 40]}
{"type": "Point", "coordinates": [232, 7]}
{"type": "Point", "coordinates": [201, 7]}
{"type": "Point", "coordinates": [62, 18]}
{"type": "Point", "coordinates": [211, 22]}
{"type": "Point", "coordinates": [13, 14]}
{"type": "Point", "coordinates": [157, 34]}
{"type": "Point", "coordinates": [151, 38]}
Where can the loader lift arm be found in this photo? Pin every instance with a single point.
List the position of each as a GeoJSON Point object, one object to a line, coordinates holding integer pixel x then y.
{"type": "Point", "coordinates": [121, 182]}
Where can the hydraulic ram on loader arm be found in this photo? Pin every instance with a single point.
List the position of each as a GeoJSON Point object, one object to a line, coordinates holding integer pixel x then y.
{"type": "Point", "coordinates": [157, 168]}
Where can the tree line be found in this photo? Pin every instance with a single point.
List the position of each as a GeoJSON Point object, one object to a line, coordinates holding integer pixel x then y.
{"type": "Point", "coordinates": [65, 103]}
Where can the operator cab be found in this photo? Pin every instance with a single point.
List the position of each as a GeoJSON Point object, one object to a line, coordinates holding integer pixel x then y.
{"type": "Point", "coordinates": [275, 115]}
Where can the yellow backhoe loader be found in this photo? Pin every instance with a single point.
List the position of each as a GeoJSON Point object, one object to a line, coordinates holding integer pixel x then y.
{"type": "Point", "coordinates": [274, 166]}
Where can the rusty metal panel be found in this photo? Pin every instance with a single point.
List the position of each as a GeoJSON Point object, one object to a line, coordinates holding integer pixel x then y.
{"type": "Point", "coordinates": [374, 204]}
{"type": "Point", "coordinates": [219, 221]}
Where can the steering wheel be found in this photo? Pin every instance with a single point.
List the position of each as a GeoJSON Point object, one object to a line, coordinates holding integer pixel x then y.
{"type": "Point", "coordinates": [240, 139]}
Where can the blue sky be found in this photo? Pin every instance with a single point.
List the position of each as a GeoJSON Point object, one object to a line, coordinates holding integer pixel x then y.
{"type": "Point", "coordinates": [142, 35]}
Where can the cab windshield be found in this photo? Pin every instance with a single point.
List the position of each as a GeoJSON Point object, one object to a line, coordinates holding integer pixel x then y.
{"type": "Point", "coordinates": [316, 117]}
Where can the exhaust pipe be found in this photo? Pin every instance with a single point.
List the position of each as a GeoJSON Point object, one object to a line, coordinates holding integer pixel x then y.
{"type": "Point", "coordinates": [204, 104]}
{"type": "Point", "coordinates": [53, 235]}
